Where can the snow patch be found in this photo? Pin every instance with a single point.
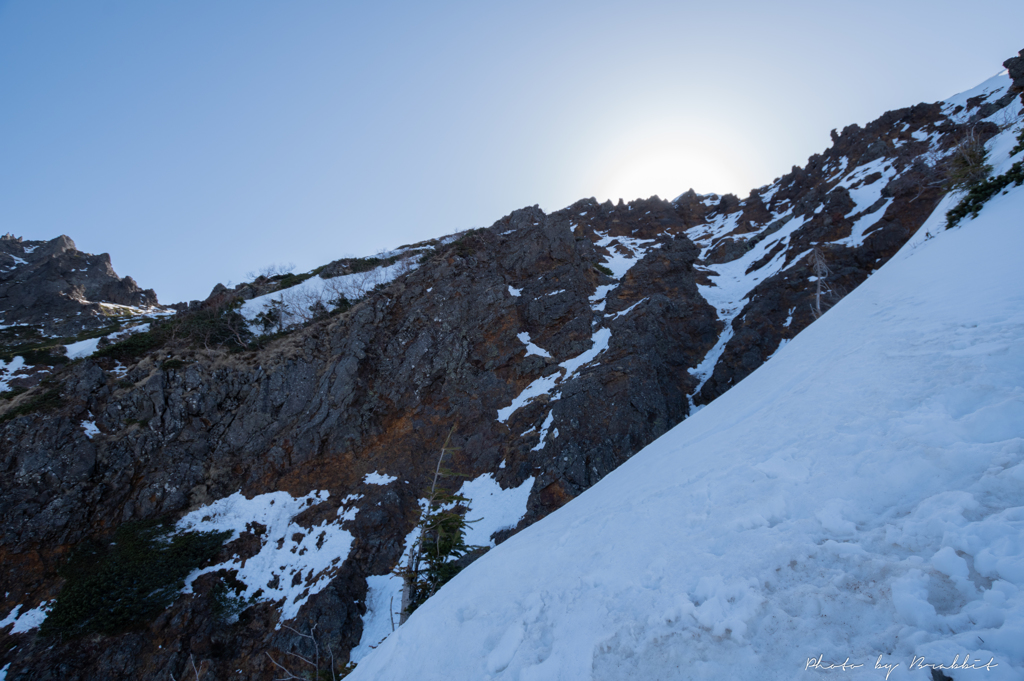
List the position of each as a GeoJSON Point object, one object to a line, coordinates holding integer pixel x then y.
{"type": "Point", "coordinates": [625, 312]}
{"type": "Point", "coordinates": [531, 348]}
{"type": "Point", "coordinates": [28, 620]}
{"type": "Point", "coordinates": [289, 553]}
{"type": "Point", "coordinates": [623, 251]}
{"type": "Point", "coordinates": [492, 508]}
{"type": "Point", "coordinates": [89, 428]}
{"type": "Point", "coordinates": [299, 298]}
{"type": "Point", "coordinates": [7, 371]}
{"type": "Point", "coordinates": [82, 349]}
{"type": "Point", "coordinates": [545, 427]}
{"type": "Point", "coordinates": [545, 385]}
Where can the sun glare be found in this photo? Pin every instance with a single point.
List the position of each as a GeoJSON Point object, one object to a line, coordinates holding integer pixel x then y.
{"type": "Point", "coordinates": [668, 165]}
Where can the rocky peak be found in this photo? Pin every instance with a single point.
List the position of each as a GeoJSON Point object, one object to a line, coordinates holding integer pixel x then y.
{"type": "Point", "coordinates": [1015, 68]}
{"type": "Point", "coordinates": [53, 286]}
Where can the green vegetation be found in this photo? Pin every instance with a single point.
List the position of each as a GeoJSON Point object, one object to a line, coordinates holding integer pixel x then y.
{"type": "Point", "coordinates": [48, 356]}
{"type": "Point", "coordinates": [263, 340]}
{"type": "Point", "coordinates": [1020, 144]}
{"type": "Point", "coordinates": [356, 265]}
{"type": "Point", "coordinates": [434, 559]}
{"type": "Point", "coordinates": [967, 165]}
{"type": "Point", "coordinates": [604, 270]}
{"type": "Point", "coordinates": [226, 600]}
{"type": "Point", "coordinates": [464, 247]}
{"type": "Point", "coordinates": [982, 191]}
{"type": "Point", "coordinates": [289, 280]}
{"type": "Point", "coordinates": [172, 364]}
{"type": "Point", "coordinates": [468, 242]}
{"type": "Point", "coordinates": [442, 544]}
{"type": "Point", "coordinates": [45, 401]}
{"type": "Point", "coordinates": [207, 327]}
{"type": "Point", "coordinates": [428, 255]}
{"type": "Point", "coordinates": [111, 586]}
{"type": "Point", "coordinates": [131, 347]}
{"type": "Point", "coordinates": [340, 304]}
{"type": "Point", "coordinates": [27, 342]}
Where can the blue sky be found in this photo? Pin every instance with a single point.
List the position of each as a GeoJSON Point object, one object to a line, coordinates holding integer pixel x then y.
{"type": "Point", "coordinates": [198, 141]}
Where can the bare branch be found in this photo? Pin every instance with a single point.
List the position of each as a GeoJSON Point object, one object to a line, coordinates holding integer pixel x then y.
{"type": "Point", "coordinates": [284, 669]}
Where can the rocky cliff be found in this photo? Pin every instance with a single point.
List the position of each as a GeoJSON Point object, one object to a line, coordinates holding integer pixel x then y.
{"type": "Point", "coordinates": [62, 291]}
{"type": "Point", "coordinates": [553, 347]}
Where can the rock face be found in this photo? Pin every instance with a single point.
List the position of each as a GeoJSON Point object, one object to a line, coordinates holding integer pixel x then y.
{"type": "Point", "coordinates": [1015, 67]}
{"type": "Point", "coordinates": [55, 287]}
{"type": "Point", "coordinates": [552, 346]}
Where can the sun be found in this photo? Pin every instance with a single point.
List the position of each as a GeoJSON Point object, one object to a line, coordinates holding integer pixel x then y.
{"type": "Point", "coordinates": [668, 163]}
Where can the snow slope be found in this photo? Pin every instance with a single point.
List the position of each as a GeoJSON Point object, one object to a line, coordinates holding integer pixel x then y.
{"type": "Point", "coordinates": [297, 299]}
{"type": "Point", "coordinates": [857, 499]}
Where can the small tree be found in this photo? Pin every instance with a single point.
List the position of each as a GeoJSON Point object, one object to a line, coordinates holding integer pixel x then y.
{"type": "Point", "coordinates": [318, 310]}
{"type": "Point", "coordinates": [820, 270]}
{"type": "Point", "coordinates": [272, 318]}
{"type": "Point", "coordinates": [967, 163]}
{"type": "Point", "coordinates": [441, 542]}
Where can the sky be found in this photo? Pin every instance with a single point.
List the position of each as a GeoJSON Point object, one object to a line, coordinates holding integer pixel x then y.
{"type": "Point", "coordinates": [197, 142]}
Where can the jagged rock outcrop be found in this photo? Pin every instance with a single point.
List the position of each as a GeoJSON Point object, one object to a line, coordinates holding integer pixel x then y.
{"type": "Point", "coordinates": [62, 291]}
{"type": "Point", "coordinates": [1015, 67]}
{"type": "Point", "coordinates": [556, 346]}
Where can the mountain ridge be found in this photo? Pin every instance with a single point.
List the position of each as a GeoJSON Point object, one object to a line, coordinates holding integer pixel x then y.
{"type": "Point", "coordinates": [560, 343]}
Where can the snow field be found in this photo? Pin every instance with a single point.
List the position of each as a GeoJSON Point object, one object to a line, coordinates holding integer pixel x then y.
{"type": "Point", "coordinates": [857, 497]}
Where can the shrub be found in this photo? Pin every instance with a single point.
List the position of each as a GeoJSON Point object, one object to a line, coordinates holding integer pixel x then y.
{"type": "Point", "coordinates": [46, 355]}
{"type": "Point", "coordinates": [981, 192]}
{"type": "Point", "coordinates": [604, 270]}
{"type": "Point", "coordinates": [113, 586]}
{"type": "Point", "coordinates": [427, 255]}
{"type": "Point", "coordinates": [464, 246]}
{"type": "Point", "coordinates": [273, 316]}
{"type": "Point", "coordinates": [132, 347]}
{"type": "Point", "coordinates": [1020, 144]}
{"type": "Point", "coordinates": [357, 265]}
{"type": "Point", "coordinates": [226, 601]}
{"type": "Point", "coordinates": [289, 280]}
{"type": "Point", "coordinates": [207, 327]}
{"type": "Point", "coordinates": [967, 164]}
{"type": "Point", "coordinates": [25, 341]}
{"type": "Point", "coordinates": [212, 326]}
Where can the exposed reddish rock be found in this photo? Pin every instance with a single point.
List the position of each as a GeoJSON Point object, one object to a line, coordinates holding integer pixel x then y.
{"type": "Point", "coordinates": [379, 388]}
